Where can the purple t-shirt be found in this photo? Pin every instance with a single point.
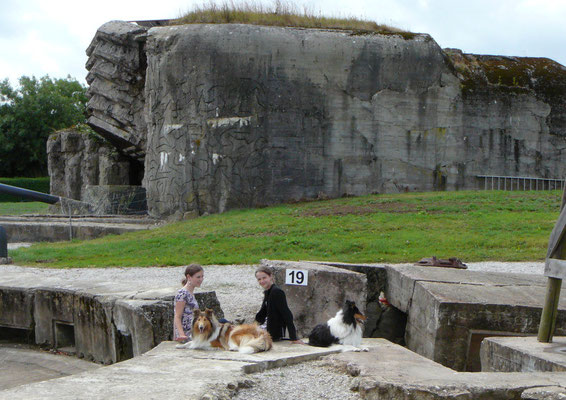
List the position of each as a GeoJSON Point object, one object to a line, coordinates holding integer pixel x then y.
{"type": "Point", "coordinates": [187, 317]}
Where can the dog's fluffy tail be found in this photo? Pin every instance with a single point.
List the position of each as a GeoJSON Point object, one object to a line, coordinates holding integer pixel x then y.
{"type": "Point", "coordinates": [261, 341]}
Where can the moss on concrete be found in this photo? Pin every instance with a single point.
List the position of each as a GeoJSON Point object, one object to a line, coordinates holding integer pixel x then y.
{"type": "Point", "coordinates": [545, 77]}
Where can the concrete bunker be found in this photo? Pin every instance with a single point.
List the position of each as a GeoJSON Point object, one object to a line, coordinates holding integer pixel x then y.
{"type": "Point", "coordinates": [103, 327]}
{"type": "Point", "coordinates": [205, 118]}
{"type": "Point", "coordinates": [442, 314]}
{"type": "Point", "coordinates": [436, 292]}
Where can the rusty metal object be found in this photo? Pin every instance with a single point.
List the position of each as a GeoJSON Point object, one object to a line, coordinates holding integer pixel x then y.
{"type": "Point", "coordinates": [452, 262]}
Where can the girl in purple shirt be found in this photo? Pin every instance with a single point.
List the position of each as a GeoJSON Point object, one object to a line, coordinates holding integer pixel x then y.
{"type": "Point", "coordinates": [185, 303]}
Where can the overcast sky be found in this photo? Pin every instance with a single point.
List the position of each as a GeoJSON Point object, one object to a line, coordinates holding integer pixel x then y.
{"type": "Point", "coordinates": [39, 37]}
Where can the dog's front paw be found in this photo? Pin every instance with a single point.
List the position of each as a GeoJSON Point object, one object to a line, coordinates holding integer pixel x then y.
{"type": "Point", "coordinates": [364, 349]}
{"type": "Point", "coordinates": [182, 346]}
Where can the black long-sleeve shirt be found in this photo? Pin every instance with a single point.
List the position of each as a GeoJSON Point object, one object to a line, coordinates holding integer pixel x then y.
{"type": "Point", "coordinates": [279, 317]}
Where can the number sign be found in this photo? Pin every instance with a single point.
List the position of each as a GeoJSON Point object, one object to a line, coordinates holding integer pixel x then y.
{"type": "Point", "coordinates": [296, 277]}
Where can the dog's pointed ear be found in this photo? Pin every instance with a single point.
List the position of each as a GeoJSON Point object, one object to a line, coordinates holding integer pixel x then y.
{"type": "Point", "coordinates": [208, 312]}
{"type": "Point", "coordinates": [196, 313]}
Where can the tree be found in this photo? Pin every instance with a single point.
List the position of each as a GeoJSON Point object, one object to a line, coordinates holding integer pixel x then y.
{"type": "Point", "coordinates": [29, 114]}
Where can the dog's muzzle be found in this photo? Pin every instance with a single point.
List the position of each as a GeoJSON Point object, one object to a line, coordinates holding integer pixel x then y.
{"type": "Point", "coordinates": [360, 319]}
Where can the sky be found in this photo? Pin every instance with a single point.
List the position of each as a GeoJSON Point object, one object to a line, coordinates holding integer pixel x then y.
{"type": "Point", "coordinates": [39, 37]}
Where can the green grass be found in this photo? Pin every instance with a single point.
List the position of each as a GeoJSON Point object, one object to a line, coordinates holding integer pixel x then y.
{"type": "Point", "coordinates": [24, 207]}
{"type": "Point", "coordinates": [283, 14]}
{"type": "Point", "coordinates": [474, 226]}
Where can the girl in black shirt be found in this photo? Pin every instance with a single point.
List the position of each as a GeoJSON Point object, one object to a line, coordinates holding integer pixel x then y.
{"type": "Point", "coordinates": [274, 314]}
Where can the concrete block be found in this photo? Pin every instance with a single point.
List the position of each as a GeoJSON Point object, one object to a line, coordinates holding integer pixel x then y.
{"type": "Point", "coordinates": [16, 307]}
{"type": "Point", "coordinates": [50, 308]}
{"type": "Point", "coordinates": [115, 199]}
{"type": "Point", "coordinates": [328, 289]}
{"type": "Point", "coordinates": [523, 354]}
{"type": "Point", "coordinates": [449, 311]}
{"type": "Point", "coordinates": [134, 327]}
{"type": "Point", "coordinates": [94, 332]}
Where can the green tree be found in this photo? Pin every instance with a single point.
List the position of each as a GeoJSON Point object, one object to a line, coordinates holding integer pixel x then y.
{"type": "Point", "coordinates": [29, 114]}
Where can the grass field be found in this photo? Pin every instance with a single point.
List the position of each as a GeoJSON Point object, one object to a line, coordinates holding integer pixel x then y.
{"type": "Point", "coordinates": [474, 226]}
{"type": "Point", "coordinates": [24, 207]}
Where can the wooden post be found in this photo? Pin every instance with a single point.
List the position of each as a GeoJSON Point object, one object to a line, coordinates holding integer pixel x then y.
{"type": "Point", "coordinates": [555, 269]}
{"type": "Point", "coordinates": [550, 310]}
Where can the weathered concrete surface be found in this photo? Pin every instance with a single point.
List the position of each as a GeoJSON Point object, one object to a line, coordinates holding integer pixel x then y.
{"type": "Point", "coordinates": [116, 199]}
{"type": "Point", "coordinates": [55, 228]}
{"type": "Point", "coordinates": [387, 371]}
{"type": "Point", "coordinates": [23, 365]}
{"type": "Point", "coordinates": [327, 290]}
{"type": "Point", "coordinates": [169, 373]}
{"type": "Point", "coordinates": [449, 311]}
{"type": "Point", "coordinates": [392, 372]}
{"type": "Point", "coordinates": [116, 67]}
{"type": "Point", "coordinates": [544, 393]}
{"type": "Point", "coordinates": [230, 115]}
{"type": "Point", "coordinates": [523, 354]}
{"type": "Point", "coordinates": [101, 321]}
{"type": "Point", "coordinates": [77, 160]}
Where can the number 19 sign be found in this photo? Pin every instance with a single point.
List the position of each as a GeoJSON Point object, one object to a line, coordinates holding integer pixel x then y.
{"type": "Point", "coordinates": [296, 277]}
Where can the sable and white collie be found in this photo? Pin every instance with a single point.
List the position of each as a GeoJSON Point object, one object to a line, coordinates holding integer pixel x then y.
{"type": "Point", "coordinates": [344, 328]}
{"type": "Point", "coordinates": [208, 333]}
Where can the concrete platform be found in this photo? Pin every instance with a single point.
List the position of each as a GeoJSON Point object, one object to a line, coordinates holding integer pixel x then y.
{"type": "Point", "coordinates": [169, 373]}
{"type": "Point", "coordinates": [23, 364]}
{"type": "Point", "coordinates": [54, 228]}
{"type": "Point", "coordinates": [387, 371]}
{"type": "Point", "coordinates": [523, 354]}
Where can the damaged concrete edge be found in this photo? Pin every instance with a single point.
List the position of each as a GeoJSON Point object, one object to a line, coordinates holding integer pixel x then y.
{"type": "Point", "coordinates": [98, 327]}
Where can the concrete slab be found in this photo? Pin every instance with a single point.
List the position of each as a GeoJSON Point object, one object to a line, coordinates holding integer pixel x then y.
{"type": "Point", "coordinates": [23, 365]}
{"type": "Point", "coordinates": [167, 372]}
{"type": "Point", "coordinates": [389, 371]}
{"type": "Point", "coordinates": [523, 354]}
{"type": "Point", "coordinates": [53, 228]}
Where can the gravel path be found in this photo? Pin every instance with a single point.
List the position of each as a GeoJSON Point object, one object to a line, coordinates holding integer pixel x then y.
{"type": "Point", "coordinates": [308, 380]}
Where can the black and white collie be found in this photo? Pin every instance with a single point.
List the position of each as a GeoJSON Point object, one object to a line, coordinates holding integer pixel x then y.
{"type": "Point", "coordinates": [344, 328]}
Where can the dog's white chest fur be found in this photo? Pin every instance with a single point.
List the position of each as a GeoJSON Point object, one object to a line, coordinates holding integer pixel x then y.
{"type": "Point", "coordinates": [347, 334]}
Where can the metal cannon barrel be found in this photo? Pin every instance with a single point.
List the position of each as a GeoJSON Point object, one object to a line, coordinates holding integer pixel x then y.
{"type": "Point", "coordinates": [28, 194]}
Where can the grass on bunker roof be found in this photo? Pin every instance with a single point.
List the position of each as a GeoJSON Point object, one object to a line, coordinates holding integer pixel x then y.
{"type": "Point", "coordinates": [282, 14]}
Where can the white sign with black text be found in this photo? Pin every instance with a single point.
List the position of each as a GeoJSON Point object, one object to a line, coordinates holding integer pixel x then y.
{"type": "Point", "coordinates": [296, 277]}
